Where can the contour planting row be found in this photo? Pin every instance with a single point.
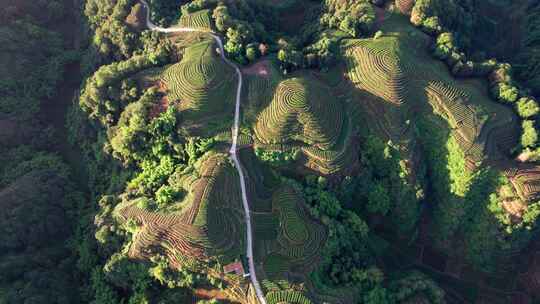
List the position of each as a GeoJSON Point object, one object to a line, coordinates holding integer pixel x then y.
{"type": "Point", "coordinates": [300, 238]}
{"type": "Point", "coordinates": [292, 224]}
{"type": "Point", "coordinates": [330, 161]}
{"type": "Point", "coordinates": [220, 212]}
{"type": "Point", "coordinates": [450, 102]}
{"type": "Point", "coordinates": [377, 70]}
{"type": "Point", "coordinates": [201, 190]}
{"type": "Point", "coordinates": [265, 225]}
{"type": "Point", "coordinates": [259, 91]}
{"type": "Point", "coordinates": [287, 296]}
{"type": "Point", "coordinates": [527, 183]}
{"type": "Point", "coordinates": [186, 240]}
{"type": "Point", "coordinates": [303, 109]}
{"type": "Point", "coordinates": [336, 159]}
{"type": "Point", "coordinates": [260, 179]}
{"type": "Point", "coordinates": [500, 135]}
{"type": "Point", "coordinates": [276, 266]}
{"type": "Point", "coordinates": [158, 227]}
{"type": "Point", "coordinates": [202, 82]}
{"type": "Point", "coordinates": [199, 20]}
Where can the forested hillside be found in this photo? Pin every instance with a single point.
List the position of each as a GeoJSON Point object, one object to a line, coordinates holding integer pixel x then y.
{"type": "Point", "coordinates": [39, 200]}
{"type": "Point", "coordinates": [283, 151]}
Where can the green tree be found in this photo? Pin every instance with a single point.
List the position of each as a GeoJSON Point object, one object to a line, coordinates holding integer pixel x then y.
{"type": "Point", "coordinates": [377, 295]}
{"type": "Point", "coordinates": [251, 53]}
{"type": "Point", "coordinates": [527, 107]}
{"type": "Point", "coordinates": [529, 136]}
{"type": "Point", "coordinates": [507, 93]}
{"type": "Point", "coordinates": [378, 199]}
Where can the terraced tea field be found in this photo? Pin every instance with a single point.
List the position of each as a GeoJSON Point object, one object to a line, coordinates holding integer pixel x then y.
{"type": "Point", "coordinates": [201, 83]}
{"type": "Point", "coordinates": [209, 226]}
{"type": "Point", "coordinates": [197, 20]}
{"type": "Point", "coordinates": [303, 112]}
{"type": "Point", "coordinates": [287, 296]}
{"type": "Point", "coordinates": [299, 238]}
{"type": "Point", "coordinates": [526, 181]}
{"type": "Point", "coordinates": [401, 75]}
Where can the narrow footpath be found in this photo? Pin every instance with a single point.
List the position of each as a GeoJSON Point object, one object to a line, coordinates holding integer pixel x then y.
{"type": "Point", "coordinates": [233, 149]}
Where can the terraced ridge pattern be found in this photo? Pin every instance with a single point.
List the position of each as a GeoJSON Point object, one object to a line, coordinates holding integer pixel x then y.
{"type": "Point", "coordinates": [209, 224]}
{"type": "Point", "coordinates": [299, 238]}
{"type": "Point", "coordinates": [303, 113]}
{"type": "Point", "coordinates": [396, 72]}
{"type": "Point", "coordinates": [201, 83]}
{"type": "Point", "coordinates": [405, 6]}
{"type": "Point", "coordinates": [526, 181]}
{"type": "Point", "coordinates": [197, 20]}
{"type": "Point", "coordinates": [281, 292]}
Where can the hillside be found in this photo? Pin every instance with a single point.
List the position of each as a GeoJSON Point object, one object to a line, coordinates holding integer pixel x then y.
{"type": "Point", "coordinates": [269, 152]}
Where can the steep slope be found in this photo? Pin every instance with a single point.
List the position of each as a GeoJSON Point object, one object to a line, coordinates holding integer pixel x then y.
{"type": "Point", "coordinates": [301, 110]}
{"type": "Point", "coordinates": [394, 70]}
{"type": "Point", "coordinates": [208, 224]}
{"type": "Point", "coordinates": [304, 114]}
{"type": "Point", "coordinates": [202, 84]}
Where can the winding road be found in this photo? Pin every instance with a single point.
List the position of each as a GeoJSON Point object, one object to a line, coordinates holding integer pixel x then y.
{"type": "Point", "coordinates": [233, 149]}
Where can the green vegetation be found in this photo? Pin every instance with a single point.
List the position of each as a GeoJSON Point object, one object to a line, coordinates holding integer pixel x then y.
{"type": "Point", "coordinates": [201, 83]}
{"type": "Point", "coordinates": [378, 143]}
{"type": "Point", "coordinates": [40, 202]}
{"type": "Point", "coordinates": [453, 23]}
{"type": "Point", "coordinates": [199, 20]}
{"type": "Point", "coordinates": [302, 98]}
{"type": "Point", "coordinates": [164, 12]}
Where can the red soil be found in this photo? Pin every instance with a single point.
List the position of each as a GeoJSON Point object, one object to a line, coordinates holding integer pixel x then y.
{"type": "Point", "coordinates": [261, 68]}
{"type": "Point", "coordinates": [210, 294]}
{"type": "Point", "coordinates": [163, 103]}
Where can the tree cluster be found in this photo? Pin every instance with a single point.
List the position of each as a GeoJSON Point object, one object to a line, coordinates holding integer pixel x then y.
{"type": "Point", "coordinates": [528, 60]}
{"type": "Point", "coordinates": [347, 257]}
{"type": "Point", "coordinates": [39, 206]}
{"type": "Point", "coordinates": [469, 203]}
{"type": "Point", "coordinates": [436, 16]}
{"type": "Point", "coordinates": [111, 37]}
{"type": "Point", "coordinates": [385, 186]}
{"type": "Point", "coordinates": [102, 99]}
{"type": "Point", "coordinates": [278, 158]}
{"type": "Point", "coordinates": [352, 17]}
{"type": "Point", "coordinates": [34, 57]}
{"type": "Point", "coordinates": [451, 21]}
{"type": "Point", "coordinates": [243, 23]}
{"type": "Point", "coordinates": [165, 12]}
{"type": "Point", "coordinates": [38, 201]}
{"type": "Point", "coordinates": [318, 45]}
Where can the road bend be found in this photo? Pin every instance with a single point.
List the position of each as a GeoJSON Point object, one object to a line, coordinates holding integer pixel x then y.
{"type": "Point", "coordinates": [233, 150]}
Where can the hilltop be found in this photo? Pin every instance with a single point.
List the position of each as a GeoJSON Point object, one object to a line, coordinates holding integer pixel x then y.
{"type": "Point", "coordinates": [252, 152]}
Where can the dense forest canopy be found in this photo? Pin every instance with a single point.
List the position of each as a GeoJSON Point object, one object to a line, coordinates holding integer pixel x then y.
{"type": "Point", "coordinates": [383, 151]}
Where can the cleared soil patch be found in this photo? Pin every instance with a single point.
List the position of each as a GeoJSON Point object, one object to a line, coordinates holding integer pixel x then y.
{"type": "Point", "coordinates": [217, 294]}
{"type": "Point", "coordinates": [261, 68]}
{"type": "Point", "coordinates": [162, 105]}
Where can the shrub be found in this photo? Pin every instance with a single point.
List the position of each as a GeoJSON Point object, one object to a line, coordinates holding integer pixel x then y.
{"type": "Point", "coordinates": [378, 199]}
{"type": "Point", "coordinates": [165, 195]}
{"type": "Point", "coordinates": [529, 137]}
{"type": "Point", "coordinates": [527, 107]}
